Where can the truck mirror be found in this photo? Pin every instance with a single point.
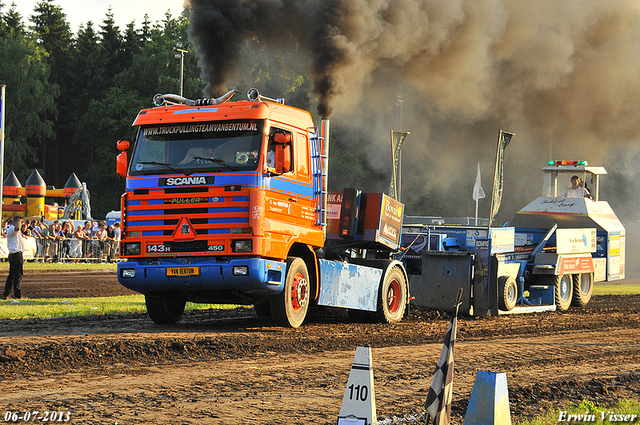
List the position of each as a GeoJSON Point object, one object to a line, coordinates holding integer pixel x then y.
{"type": "Point", "coordinates": [124, 144]}
{"type": "Point", "coordinates": [122, 163]}
{"type": "Point", "coordinates": [282, 138]}
{"type": "Point", "coordinates": [283, 158]}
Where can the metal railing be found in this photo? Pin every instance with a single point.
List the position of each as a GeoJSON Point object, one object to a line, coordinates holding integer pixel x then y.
{"type": "Point", "coordinates": [76, 250]}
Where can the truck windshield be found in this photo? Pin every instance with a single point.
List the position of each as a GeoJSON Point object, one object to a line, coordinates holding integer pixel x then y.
{"type": "Point", "coordinates": [194, 148]}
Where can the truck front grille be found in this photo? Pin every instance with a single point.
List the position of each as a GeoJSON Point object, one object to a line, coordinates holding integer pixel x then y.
{"type": "Point", "coordinates": [212, 211]}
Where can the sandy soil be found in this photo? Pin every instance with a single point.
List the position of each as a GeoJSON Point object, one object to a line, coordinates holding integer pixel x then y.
{"type": "Point", "coordinates": [231, 367]}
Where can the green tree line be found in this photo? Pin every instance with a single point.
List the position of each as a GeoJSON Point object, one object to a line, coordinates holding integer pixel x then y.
{"type": "Point", "coordinates": [70, 97]}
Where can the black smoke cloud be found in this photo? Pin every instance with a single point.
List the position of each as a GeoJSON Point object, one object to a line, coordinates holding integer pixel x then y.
{"type": "Point", "coordinates": [564, 76]}
{"type": "Point", "coordinates": [219, 28]}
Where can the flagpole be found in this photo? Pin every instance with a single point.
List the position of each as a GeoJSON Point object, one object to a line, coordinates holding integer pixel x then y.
{"type": "Point", "coordinates": [493, 187]}
{"type": "Point", "coordinates": [400, 176]}
{"type": "Point", "coordinates": [395, 186]}
{"type": "Point", "coordinates": [2, 131]}
{"type": "Point", "coordinates": [504, 139]}
{"type": "Point", "coordinates": [400, 158]}
{"type": "Point", "coordinates": [440, 395]}
{"type": "Point", "coordinates": [474, 189]}
{"type": "Point", "coordinates": [476, 212]}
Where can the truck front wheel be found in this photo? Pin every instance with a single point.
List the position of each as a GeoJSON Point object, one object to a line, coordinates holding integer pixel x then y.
{"type": "Point", "coordinates": [289, 307]}
{"type": "Point", "coordinates": [564, 291]}
{"type": "Point", "coordinates": [582, 289]}
{"type": "Point", "coordinates": [392, 297]}
{"type": "Point", "coordinates": [164, 309]}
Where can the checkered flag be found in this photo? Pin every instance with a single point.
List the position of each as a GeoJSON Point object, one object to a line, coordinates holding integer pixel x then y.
{"type": "Point", "coordinates": [438, 402]}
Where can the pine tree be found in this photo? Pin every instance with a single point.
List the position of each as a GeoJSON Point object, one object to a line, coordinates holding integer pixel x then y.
{"type": "Point", "coordinates": [54, 34]}
{"type": "Point", "coordinates": [111, 44]}
{"type": "Point", "coordinates": [29, 96]}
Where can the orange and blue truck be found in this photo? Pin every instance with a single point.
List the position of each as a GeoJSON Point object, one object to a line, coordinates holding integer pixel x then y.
{"type": "Point", "coordinates": [226, 202]}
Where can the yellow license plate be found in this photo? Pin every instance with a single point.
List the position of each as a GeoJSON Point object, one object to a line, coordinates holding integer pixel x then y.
{"type": "Point", "coordinates": [183, 271]}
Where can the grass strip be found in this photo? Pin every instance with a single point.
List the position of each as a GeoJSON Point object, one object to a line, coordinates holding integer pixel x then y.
{"type": "Point", "coordinates": [71, 307]}
{"type": "Point", "coordinates": [601, 288]}
{"type": "Point", "coordinates": [66, 267]}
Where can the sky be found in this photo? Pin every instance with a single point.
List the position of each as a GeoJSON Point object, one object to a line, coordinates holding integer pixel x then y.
{"type": "Point", "coordinates": [124, 11]}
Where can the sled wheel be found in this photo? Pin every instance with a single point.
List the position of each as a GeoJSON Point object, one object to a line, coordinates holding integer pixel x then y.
{"type": "Point", "coordinates": [392, 297]}
{"type": "Point", "coordinates": [289, 307]}
{"type": "Point", "coordinates": [508, 292]}
{"type": "Point", "coordinates": [564, 291]}
{"type": "Point", "coordinates": [582, 289]}
{"type": "Point", "coordinates": [165, 308]}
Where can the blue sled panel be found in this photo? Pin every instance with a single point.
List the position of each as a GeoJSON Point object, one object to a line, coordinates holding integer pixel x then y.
{"type": "Point", "coordinates": [349, 285]}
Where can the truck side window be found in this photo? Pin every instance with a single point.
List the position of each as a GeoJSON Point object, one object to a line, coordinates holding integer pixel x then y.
{"type": "Point", "coordinates": [302, 155]}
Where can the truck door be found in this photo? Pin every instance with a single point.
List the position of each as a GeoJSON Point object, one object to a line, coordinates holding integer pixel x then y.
{"type": "Point", "coordinates": [306, 201]}
{"type": "Point", "coordinates": [281, 192]}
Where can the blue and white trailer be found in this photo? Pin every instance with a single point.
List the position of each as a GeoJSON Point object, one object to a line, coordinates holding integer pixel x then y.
{"type": "Point", "coordinates": [547, 259]}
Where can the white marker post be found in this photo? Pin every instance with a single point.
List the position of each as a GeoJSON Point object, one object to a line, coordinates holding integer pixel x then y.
{"type": "Point", "coordinates": [359, 401]}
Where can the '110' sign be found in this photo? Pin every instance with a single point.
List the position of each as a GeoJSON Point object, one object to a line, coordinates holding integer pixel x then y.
{"type": "Point", "coordinates": [361, 392]}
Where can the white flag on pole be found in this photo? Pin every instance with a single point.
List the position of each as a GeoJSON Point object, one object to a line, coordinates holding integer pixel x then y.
{"type": "Point", "coordinates": [478, 191]}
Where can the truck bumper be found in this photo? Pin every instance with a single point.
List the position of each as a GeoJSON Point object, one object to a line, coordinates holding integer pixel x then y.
{"type": "Point", "coordinates": [255, 276]}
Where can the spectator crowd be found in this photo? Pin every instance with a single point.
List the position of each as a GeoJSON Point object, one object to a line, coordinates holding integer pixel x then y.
{"type": "Point", "coordinates": [64, 241]}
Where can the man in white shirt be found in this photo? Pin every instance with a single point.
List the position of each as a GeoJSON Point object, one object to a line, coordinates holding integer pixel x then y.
{"type": "Point", "coordinates": [576, 190]}
{"type": "Point", "coordinates": [116, 232]}
{"type": "Point", "coordinates": [271, 158]}
{"type": "Point", "coordinates": [16, 245]}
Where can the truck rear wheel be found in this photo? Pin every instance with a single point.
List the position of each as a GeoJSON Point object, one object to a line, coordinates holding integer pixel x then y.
{"type": "Point", "coordinates": [508, 292]}
{"type": "Point", "coordinates": [289, 307]}
{"type": "Point", "coordinates": [164, 309]}
{"type": "Point", "coordinates": [392, 297]}
{"type": "Point", "coordinates": [564, 291]}
{"type": "Point", "coordinates": [582, 289]}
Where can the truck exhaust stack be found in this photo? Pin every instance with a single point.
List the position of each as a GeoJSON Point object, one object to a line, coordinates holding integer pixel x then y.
{"type": "Point", "coordinates": [163, 99]}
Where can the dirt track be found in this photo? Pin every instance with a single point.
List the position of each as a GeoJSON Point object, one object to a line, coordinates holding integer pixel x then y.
{"type": "Point", "coordinates": [230, 367]}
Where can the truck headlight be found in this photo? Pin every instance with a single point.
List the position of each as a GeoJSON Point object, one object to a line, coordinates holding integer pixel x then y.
{"type": "Point", "coordinates": [240, 270]}
{"type": "Point", "coordinates": [130, 273]}
{"type": "Point", "coordinates": [242, 245]}
{"type": "Point", "coordinates": [133, 248]}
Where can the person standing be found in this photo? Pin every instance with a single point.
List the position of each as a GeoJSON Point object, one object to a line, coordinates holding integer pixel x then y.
{"type": "Point", "coordinates": [76, 243]}
{"type": "Point", "coordinates": [16, 244]}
